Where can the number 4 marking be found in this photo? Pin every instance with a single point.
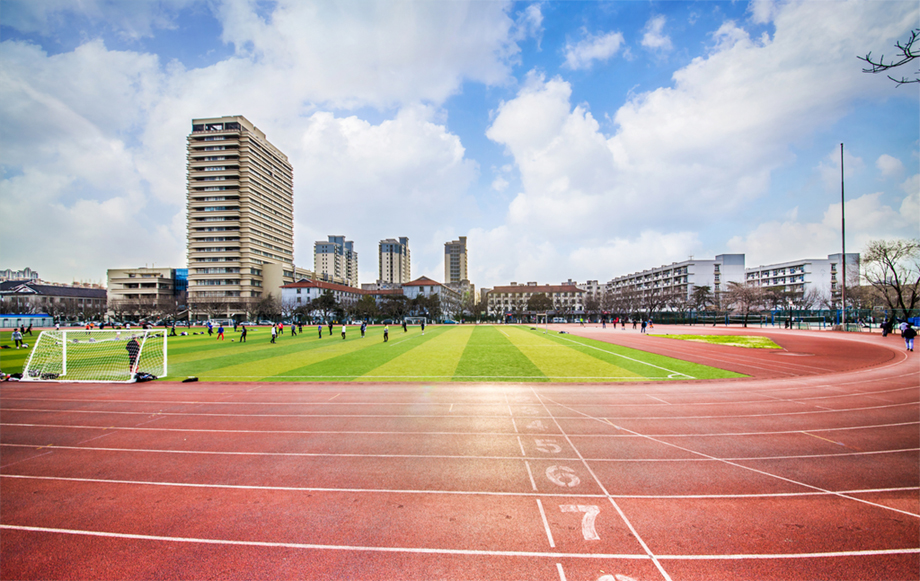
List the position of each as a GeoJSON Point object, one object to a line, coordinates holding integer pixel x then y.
{"type": "Point", "coordinates": [587, 523]}
{"type": "Point", "coordinates": [548, 446]}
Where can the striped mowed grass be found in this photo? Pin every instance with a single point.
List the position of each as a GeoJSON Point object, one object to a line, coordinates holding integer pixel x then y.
{"type": "Point", "coordinates": [484, 353]}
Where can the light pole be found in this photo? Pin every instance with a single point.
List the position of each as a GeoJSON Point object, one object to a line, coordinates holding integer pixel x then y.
{"type": "Point", "coordinates": [843, 249]}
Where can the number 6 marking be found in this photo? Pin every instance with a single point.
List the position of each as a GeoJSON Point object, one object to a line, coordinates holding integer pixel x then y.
{"type": "Point", "coordinates": [548, 446]}
{"type": "Point", "coordinates": [587, 523]}
{"type": "Point", "coordinates": [563, 476]}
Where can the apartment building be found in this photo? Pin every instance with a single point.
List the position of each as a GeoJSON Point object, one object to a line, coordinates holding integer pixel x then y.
{"type": "Point", "coordinates": [394, 262]}
{"type": "Point", "coordinates": [448, 298]}
{"type": "Point", "coordinates": [240, 214]}
{"type": "Point", "coordinates": [819, 275]}
{"type": "Point", "coordinates": [336, 261]}
{"type": "Point", "coordinates": [512, 300]}
{"type": "Point", "coordinates": [678, 279]}
{"type": "Point", "coordinates": [455, 261]}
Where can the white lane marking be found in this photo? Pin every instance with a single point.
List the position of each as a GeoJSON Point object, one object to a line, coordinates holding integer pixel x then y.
{"type": "Point", "coordinates": [547, 445]}
{"type": "Point", "coordinates": [449, 492]}
{"type": "Point", "coordinates": [330, 399]}
{"type": "Point", "coordinates": [670, 371]}
{"type": "Point", "coordinates": [822, 411]}
{"type": "Point", "coordinates": [658, 398]}
{"type": "Point", "coordinates": [418, 550]}
{"type": "Point", "coordinates": [549, 534]}
{"type": "Point", "coordinates": [514, 424]}
{"type": "Point", "coordinates": [451, 410]}
{"type": "Point", "coordinates": [381, 432]}
{"type": "Point", "coordinates": [533, 483]}
{"type": "Point", "coordinates": [610, 499]}
{"type": "Point", "coordinates": [743, 467]}
{"type": "Point", "coordinates": [521, 444]}
{"type": "Point", "coordinates": [560, 571]}
{"type": "Point", "coordinates": [772, 386]}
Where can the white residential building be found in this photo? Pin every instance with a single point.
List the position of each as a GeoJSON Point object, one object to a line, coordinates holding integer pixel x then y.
{"type": "Point", "coordinates": [394, 263]}
{"type": "Point", "coordinates": [803, 275]}
{"type": "Point", "coordinates": [678, 279]}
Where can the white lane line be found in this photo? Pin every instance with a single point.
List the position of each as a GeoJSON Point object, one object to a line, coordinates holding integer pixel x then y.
{"type": "Point", "coordinates": [449, 492]}
{"type": "Point", "coordinates": [333, 397]}
{"type": "Point", "coordinates": [549, 534]}
{"type": "Point", "coordinates": [681, 392]}
{"type": "Point", "coordinates": [671, 371]}
{"type": "Point", "coordinates": [533, 483]}
{"type": "Point", "coordinates": [755, 470]}
{"type": "Point", "coordinates": [822, 411]}
{"type": "Point", "coordinates": [561, 572]}
{"type": "Point", "coordinates": [521, 444]}
{"type": "Point", "coordinates": [451, 410]}
{"type": "Point", "coordinates": [423, 433]}
{"type": "Point", "coordinates": [473, 552]}
{"type": "Point", "coordinates": [446, 456]}
{"type": "Point", "coordinates": [610, 499]}
{"type": "Point", "coordinates": [658, 398]}
{"type": "Point", "coordinates": [513, 423]}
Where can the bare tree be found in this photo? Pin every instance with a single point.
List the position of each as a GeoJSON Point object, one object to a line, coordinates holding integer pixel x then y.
{"type": "Point", "coordinates": [906, 53]}
{"type": "Point", "coordinates": [892, 267]}
{"type": "Point", "coordinates": [743, 299]}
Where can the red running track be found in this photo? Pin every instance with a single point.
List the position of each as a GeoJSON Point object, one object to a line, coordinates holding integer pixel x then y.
{"type": "Point", "coordinates": [806, 470]}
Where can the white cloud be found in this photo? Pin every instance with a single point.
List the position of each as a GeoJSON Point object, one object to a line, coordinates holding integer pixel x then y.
{"type": "Point", "coordinates": [500, 184]}
{"type": "Point", "coordinates": [888, 165]}
{"type": "Point", "coordinates": [654, 37]}
{"type": "Point", "coordinates": [592, 48]}
{"type": "Point", "coordinates": [762, 11]}
{"type": "Point", "coordinates": [382, 54]}
{"type": "Point", "coordinates": [867, 218]}
{"type": "Point", "coordinates": [131, 20]}
{"type": "Point", "coordinates": [829, 168]}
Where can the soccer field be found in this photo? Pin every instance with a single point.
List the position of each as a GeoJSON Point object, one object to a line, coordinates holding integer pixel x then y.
{"type": "Point", "coordinates": [443, 353]}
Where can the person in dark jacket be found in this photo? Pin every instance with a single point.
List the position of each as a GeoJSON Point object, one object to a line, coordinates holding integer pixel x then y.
{"type": "Point", "coordinates": [134, 349]}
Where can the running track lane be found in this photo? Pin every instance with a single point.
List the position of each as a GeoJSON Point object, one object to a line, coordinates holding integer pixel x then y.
{"type": "Point", "coordinates": [801, 472]}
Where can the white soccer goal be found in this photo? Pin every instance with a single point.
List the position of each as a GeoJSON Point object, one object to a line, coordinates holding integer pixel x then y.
{"type": "Point", "coordinates": [96, 356]}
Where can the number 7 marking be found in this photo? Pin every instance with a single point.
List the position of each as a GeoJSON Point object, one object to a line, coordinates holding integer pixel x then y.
{"type": "Point", "coordinates": [587, 523]}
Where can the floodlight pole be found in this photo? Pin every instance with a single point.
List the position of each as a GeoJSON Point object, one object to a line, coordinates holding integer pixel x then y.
{"type": "Point", "coordinates": [843, 246]}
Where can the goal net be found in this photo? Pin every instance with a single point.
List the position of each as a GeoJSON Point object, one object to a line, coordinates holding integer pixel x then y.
{"type": "Point", "coordinates": [96, 356]}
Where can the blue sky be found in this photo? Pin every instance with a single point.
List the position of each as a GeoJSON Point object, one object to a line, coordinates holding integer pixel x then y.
{"type": "Point", "coordinates": [580, 140]}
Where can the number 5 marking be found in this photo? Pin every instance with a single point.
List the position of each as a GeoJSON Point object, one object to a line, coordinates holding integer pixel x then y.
{"type": "Point", "coordinates": [548, 446]}
{"type": "Point", "coordinates": [587, 523]}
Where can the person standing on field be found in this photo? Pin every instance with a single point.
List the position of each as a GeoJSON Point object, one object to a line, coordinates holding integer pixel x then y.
{"type": "Point", "coordinates": [320, 329]}
{"type": "Point", "coordinates": [386, 333]}
{"type": "Point", "coordinates": [17, 338]}
{"type": "Point", "coordinates": [220, 332]}
{"type": "Point", "coordinates": [908, 334]}
{"type": "Point", "coordinates": [243, 334]}
{"type": "Point", "coordinates": [274, 332]}
{"type": "Point", "coordinates": [363, 328]}
{"type": "Point", "coordinates": [343, 330]}
{"type": "Point", "coordinates": [134, 349]}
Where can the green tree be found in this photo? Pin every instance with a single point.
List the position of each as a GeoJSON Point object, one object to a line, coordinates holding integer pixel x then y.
{"type": "Point", "coordinates": [325, 304]}
{"type": "Point", "coordinates": [539, 303]}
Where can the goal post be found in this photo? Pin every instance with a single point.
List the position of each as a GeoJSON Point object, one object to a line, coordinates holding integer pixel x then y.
{"type": "Point", "coordinates": [96, 356]}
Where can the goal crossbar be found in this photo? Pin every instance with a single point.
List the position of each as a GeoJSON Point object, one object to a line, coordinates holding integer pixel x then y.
{"type": "Point", "coordinates": [96, 356]}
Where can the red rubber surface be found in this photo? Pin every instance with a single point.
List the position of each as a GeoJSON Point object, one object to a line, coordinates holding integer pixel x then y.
{"type": "Point", "coordinates": [809, 469]}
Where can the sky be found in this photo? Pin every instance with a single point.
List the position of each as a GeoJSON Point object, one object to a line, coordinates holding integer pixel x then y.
{"type": "Point", "coordinates": [565, 140]}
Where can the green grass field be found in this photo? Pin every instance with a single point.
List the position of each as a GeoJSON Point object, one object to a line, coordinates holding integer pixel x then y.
{"type": "Point", "coordinates": [443, 353]}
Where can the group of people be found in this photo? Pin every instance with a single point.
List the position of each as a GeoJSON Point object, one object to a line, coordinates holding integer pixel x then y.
{"type": "Point", "coordinates": [908, 332]}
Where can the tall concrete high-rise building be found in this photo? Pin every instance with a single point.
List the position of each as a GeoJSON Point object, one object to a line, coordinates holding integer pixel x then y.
{"type": "Point", "coordinates": [455, 261]}
{"type": "Point", "coordinates": [240, 216]}
{"type": "Point", "coordinates": [394, 262]}
{"type": "Point", "coordinates": [336, 261]}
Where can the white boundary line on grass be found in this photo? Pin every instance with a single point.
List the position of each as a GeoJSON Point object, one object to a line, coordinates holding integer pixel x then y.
{"type": "Point", "coordinates": [671, 371]}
